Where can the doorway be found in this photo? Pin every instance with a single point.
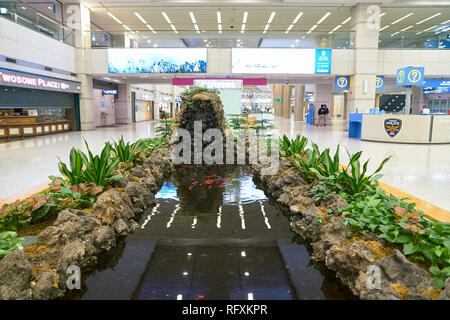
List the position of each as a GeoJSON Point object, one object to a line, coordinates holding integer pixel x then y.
{"type": "Point", "coordinates": [133, 106]}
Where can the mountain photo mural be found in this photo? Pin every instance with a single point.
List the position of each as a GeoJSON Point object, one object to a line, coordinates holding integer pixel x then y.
{"type": "Point", "coordinates": [157, 60]}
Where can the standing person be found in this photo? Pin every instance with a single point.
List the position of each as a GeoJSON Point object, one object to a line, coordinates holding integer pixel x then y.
{"type": "Point", "coordinates": [425, 110]}
{"type": "Point", "coordinates": [323, 111]}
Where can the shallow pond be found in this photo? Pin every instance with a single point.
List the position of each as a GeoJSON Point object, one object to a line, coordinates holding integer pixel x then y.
{"type": "Point", "coordinates": [211, 235]}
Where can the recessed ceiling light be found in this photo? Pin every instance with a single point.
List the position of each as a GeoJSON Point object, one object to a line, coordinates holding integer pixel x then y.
{"type": "Point", "coordinates": [297, 17]}
{"type": "Point", "coordinates": [402, 18]}
{"type": "Point", "coordinates": [219, 17]}
{"type": "Point", "coordinates": [346, 20]}
{"type": "Point", "coordinates": [385, 27]}
{"type": "Point", "coordinates": [140, 18]}
{"type": "Point", "coordinates": [312, 28]}
{"type": "Point", "coordinates": [445, 22]}
{"type": "Point", "coordinates": [126, 27]}
{"type": "Point", "coordinates": [323, 18]}
{"type": "Point", "coordinates": [404, 29]}
{"type": "Point", "coordinates": [166, 17]}
{"type": "Point", "coordinates": [382, 14]}
{"type": "Point", "coordinates": [114, 17]}
{"type": "Point", "coordinates": [243, 28]}
{"type": "Point", "coordinates": [244, 18]}
{"type": "Point", "coordinates": [196, 28]}
{"type": "Point", "coordinates": [192, 17]}
{"type": "Point", "coordinates": [429, 18]}
{"type": "Point", "coordinates": [272, 15]}
{"type": "Point", "coordinates": [430, 28]}
{"type": "Point", "coordinates": [173, 28]}
{"type": "Point", "coordinates": [219, 26]}
{"type": "Point", "coordinates": [337, 27]}
{"type": "Point", "coordinates": [289, 28]}
{"type": "Point", "coordinates": [266, 28]}
{"type": "Point", "coordinates": [150, 28]}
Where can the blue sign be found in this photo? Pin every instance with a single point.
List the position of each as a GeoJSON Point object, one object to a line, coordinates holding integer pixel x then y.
{"type": "Point", "coordinates": [379, 82]}
{"type": "Point", "coordinates": [432, 90]}
{"type": "Point", "coordinates": [410, 76]}
{"type": "Point", "coordinates": [105, 92]}
{"type": "Point", "coordinates": [342, 82]}
{"type": "Point", "coordinates": [436, 83]}
{"type": "Point", "coordinates": [323, 61]}
{"type": "Point", "coordinates": [102, 103]}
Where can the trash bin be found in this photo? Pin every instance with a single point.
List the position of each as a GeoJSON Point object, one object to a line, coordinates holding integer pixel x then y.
{"type": "Point", "coordinates": [354, 125]}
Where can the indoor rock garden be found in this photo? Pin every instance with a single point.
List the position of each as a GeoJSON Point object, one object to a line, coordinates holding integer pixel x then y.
{"type": "Point", "coordinates": [134, 225]}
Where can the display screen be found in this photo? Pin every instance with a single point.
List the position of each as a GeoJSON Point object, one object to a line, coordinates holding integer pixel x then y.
{"type": "Point", "coordinates": [157, 60]}
{"type": "Point", "coordinates": [287, 61]}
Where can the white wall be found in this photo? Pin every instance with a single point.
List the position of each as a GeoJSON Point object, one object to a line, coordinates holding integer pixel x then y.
{"type": "Point", "coordinates": [21, 43]}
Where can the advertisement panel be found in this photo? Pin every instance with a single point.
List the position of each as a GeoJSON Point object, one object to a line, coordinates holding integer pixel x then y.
{"type": "Point", "coordinates": [286, 61]}
{"type": "Point", "coordinates": [157, 60]}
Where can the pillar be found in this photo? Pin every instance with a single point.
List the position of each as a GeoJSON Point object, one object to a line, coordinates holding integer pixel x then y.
{"type": "Point", "coordinates": [322, 95]}
{"type": "Point", "coordinates": [277, 94]}
{"type": "Point", "coordinates": [361, 95]}
{"type": "Point", "coordinates": [123, 104]}
{"type": "Point", "coordinates": [417, 100]}
{"type": "Point", "coordinates": [344, 112]}
{"type": "Point", "coordinates": [286, 105]}
{"type": "Point", "coordinates": [78, 17]}
{"type": "Point", "coordinates": [299, 97]}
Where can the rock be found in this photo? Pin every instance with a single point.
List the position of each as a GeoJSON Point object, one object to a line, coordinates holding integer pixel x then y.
{"type": "Point", "coordinates": [44, 288]}
{"type": "Point", "coordinates": [72, 254]}
{"type": "Point", "coordinates": [334, 202]}
{"type": "Point", "coordinates": [445, 294]}
{"type": "Point", "coordinates": [284, 199]}
{"type": "Point", "coordinates": [398, 269]}
{"type": "Point", "coordinates": [121, 227]}
{"type": "Point", "coordinates": [335, 232]}
{"type": "Point", "coordinates": [133, 225]}
{"type": "Point", "coordinates": [349, 259]}
{"type": "Point", "coordinates": [16, 274]}
{"type": "Point", "coordinates": [365, 291]}
{"type": "Point", "coordinates": [110, 206]}
{"type": "Point", "coordinates": [104, 238]}
{"type": "Point", "coordinates": [137, 193]}
{"type": "Point", "coordinates": [301, 205]}
{"type": "Point", "coordinates": [70, 225]}
{"type": "Point", "coordinates": [417, 296]}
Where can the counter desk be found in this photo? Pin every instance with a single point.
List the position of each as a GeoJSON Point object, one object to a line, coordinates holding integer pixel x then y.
{"type": "Point", "coordinates": [27, 126]}
{"type": "Point", "coordinates": [400, 128]}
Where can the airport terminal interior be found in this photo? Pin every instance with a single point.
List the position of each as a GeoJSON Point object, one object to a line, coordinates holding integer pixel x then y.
{"type": "Point", "coordinates": [224, 150]}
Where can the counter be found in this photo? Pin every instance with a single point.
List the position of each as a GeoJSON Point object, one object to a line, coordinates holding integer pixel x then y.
{"type": "Point", "coordinates": [27, 126]}
{"type": "Point", "coordinates": [401, 128]}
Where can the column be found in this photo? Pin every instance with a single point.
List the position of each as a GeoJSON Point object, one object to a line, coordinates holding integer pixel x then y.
{"type": "Point", "coordinates": [417, 100]}
{"type": "Point", "coordinates": [123, 104]}
{"type": "Point", "coordinates": [286, 105]}
{"type": "Point", "coordinates": [361, 95]}
{"type": "Point", "coordinates": [322, 95]}
{"type": "Point", "coordinates": [299, 103]}
{"type": "Point", "coordinates": [79, 18]}
{"type": "Point", "coordinates": [276, 95]}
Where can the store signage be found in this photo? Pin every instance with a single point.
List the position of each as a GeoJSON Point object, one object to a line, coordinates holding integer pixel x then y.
{"type": "Point", "coordinates": [392, 126]}
{"type": "Point", "coordinates": [436, 83]}
{"type": "Point", "coordinates": [279, 100]}
{"type": "Point", "coordinates": [157, 60]}
{"type": "Point", "coordinates": [144, 96]}
{"type": "Point", "coordinates": [109, 91]}
{"type": "Point", "coordinates": [379, 82]}
{"type": "Point", "coordinates": [433, 90]}
{"type": "Point", "coordinates": [323, 61]}
{"type": "Point", "coordinates": [410, 76]}
{"type": "Point", "coordinates": [219, 84]}
{"type": "Point", "coordinates": [342, 82]}
{"type": "Point", "coordinates": [245, 81]}
{"type": "Point", "coordinates": [27, 80]}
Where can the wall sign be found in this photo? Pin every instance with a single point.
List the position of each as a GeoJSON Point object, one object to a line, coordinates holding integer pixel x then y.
{"type": "Point", "coordinates": [14, 78]}
{"type": "Point", "coordinates": [109, 91]}
{"type": "Point", "coordinates": [342, 82]}
{"type": "Point", "coordinates": [323, 61]}
{"type": "Point", "coordinates": [379, 82]}
{"type": "Point", "coordinates": [410, 76]}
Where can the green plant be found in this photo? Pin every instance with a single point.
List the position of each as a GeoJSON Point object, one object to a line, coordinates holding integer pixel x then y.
{"type": "Point", "coordinates": [18, 214]}
{"type": "Point", "coordinates": [9, 242]}
{"type": "Point", "coordinates": [263, 124]}
{"type": "Point", "coordinates": [165, 128]}
{"type": "Point", "coordinates": [310, 163]}
{"type": "Point", "coordinates": [291, 147]}
{"type": "Point", "coordinates": [78, 196]}
{"type": "Point", "coordinates": [100, 168]}
{"type": "Point", "coordinates": [396, 221]}
{"type": "Point", "coordinates": [237, 121]}
{"type": "Point", "coordinates": [151, 143]}
{"type": "Point", "coordinates": [356, 181]}
{"type": "Point", "coordinates": [195, 89]}
{"type": "Point", "coordinates": [77, 160]}
{"type": "Point", "coordinates": [126, 152]}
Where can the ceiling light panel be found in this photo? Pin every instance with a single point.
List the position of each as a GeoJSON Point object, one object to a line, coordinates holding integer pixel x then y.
{"type": "Point", "coordinates": [140, 18]}
{"type": "Point", "coordinates": [429, 18]}
{"type": "Point", "coordinates": [297, 17]}
{"type": "Point", "coordinates": [219, 17]}
{"type": "Point", "coordinates": [324, 17]}
{"type": "Point", "coordinates": [244, 18]}
{"type": "Point", "coordinates": [114, 17]}
{"type": "Point", "coordinates": [166, 17]}
{"type": "Point", "coordinates": [272, 15]}
{"type": "Point", "coordinates": [193, 18]}
{"type": "Point", "coordinates": [403, 18]}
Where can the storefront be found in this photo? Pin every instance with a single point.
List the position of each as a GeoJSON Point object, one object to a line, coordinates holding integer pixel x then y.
{"type": "Point", "coordinates": [104, 96]}
{"type": "Point", "coordinates": [33, 105]}
{"type": "Point", "coordinates": [144, 107]}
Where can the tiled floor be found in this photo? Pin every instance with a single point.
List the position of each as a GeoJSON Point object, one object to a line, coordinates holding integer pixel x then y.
{"type": "Point", "coordinates": [420, 170]}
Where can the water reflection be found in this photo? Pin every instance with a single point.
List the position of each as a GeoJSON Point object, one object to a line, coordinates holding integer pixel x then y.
{"type": "Point", "coordinates": [212, 235]}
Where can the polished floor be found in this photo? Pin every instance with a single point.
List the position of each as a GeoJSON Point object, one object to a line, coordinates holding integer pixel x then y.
{"type": "Point", "coordinates": [420, 170]}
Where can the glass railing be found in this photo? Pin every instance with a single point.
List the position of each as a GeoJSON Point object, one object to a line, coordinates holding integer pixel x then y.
{"type": "Point", "coordinates": [414, 40]}
{"type": "Point", "coordinates": [166, 39]}
{"type": "Point", "coordinates": [27, 16]}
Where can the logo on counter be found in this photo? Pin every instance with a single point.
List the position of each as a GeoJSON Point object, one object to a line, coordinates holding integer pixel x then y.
{"type": "Point", "coordinates": [392, 126]}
